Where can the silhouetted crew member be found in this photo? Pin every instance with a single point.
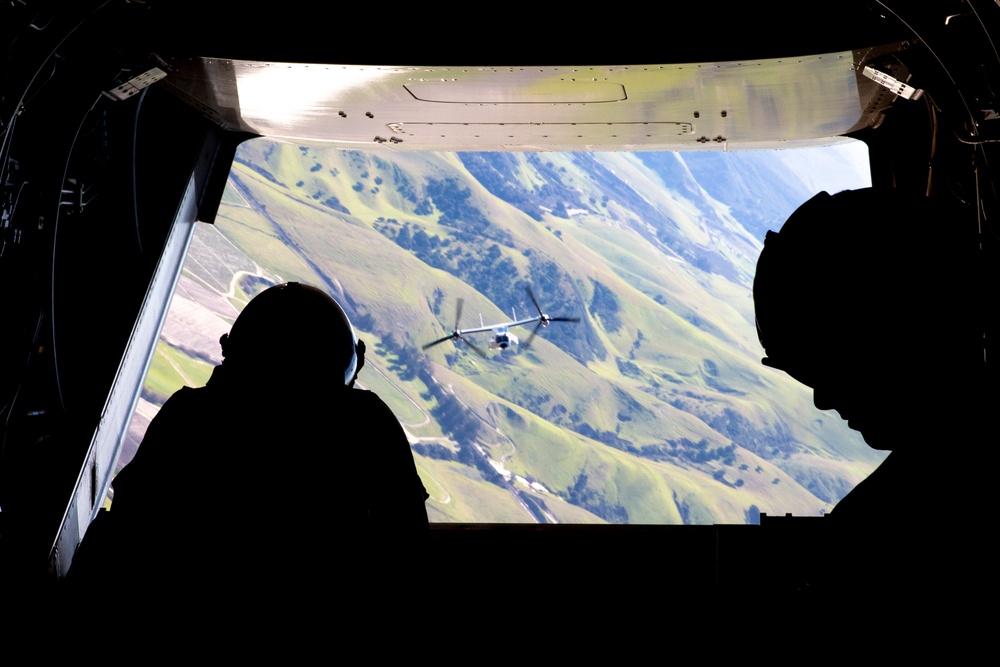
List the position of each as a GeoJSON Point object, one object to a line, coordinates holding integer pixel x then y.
{"type": "Point", "coordinates": [871, 297]}
{"type": "Point", "coordinates": [277, 477]}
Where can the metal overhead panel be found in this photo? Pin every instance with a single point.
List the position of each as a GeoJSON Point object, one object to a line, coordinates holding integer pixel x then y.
{"type": "Point", "coordinates": [769, 103]}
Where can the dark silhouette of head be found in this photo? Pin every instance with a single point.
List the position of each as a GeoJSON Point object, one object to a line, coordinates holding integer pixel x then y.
{"type": "Point", "coordinates": [293, 332]}
{"type": "Point", "coordinates": [870, 297]}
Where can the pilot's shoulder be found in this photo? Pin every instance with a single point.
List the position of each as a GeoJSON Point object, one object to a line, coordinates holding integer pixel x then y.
{"type": "Point", "coordinates": [183, 408]}
{"type": "Point", "coordinates": [370, 404]}
{"type": "Point", "coordinates": [364, 397]}
{"type": "Point", "coordinates": [184, 398]}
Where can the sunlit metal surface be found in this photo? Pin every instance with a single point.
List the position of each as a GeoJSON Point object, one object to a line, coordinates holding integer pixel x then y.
{"type": "Point", "coordinates": [749, 104]}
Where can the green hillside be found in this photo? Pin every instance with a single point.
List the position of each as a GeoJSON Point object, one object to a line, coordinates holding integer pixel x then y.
{"type": "Point", "coordinates": [654, 408]}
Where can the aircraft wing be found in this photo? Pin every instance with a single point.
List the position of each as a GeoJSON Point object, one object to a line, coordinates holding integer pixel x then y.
{"type": "Point", "coordinates": [523, 322]}
{"type": "Point", "coordinates": [462, 332]}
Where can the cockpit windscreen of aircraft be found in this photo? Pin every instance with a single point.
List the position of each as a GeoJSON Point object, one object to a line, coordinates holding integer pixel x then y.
{"type": "Point", "coordinates": [632, 394]}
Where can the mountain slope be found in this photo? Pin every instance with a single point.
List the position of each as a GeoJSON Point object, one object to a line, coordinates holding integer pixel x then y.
{"type": "Point", "coordinates": [653, 409]}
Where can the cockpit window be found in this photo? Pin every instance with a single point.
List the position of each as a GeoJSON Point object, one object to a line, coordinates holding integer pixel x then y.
{"type": "Point", "coordinates": [654, 407]}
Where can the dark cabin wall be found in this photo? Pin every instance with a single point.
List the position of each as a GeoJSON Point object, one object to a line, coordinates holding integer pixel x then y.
{"type": "Point", "coordinates": [91, 188]}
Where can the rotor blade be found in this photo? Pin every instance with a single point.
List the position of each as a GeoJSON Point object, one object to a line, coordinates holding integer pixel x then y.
{"type": "Point", "coordinates": [534, 300]}
{"type": "Point", "coordinates": [474, 347]}
{"type": "Point", "coordinates": [531, 336]}
{"type": "Point", "coordinates": [439, 340]}
{"type": "Point", "coordinates": [564, 319]}
{"type": "Point", "coordinates": [457, 333]}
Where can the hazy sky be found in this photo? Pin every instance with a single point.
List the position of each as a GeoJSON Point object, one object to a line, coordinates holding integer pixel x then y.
{"type": "Point", "coordinates": [832, 168]}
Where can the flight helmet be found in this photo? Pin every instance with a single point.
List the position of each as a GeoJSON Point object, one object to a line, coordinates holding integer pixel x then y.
{"type": "Point", "coordinates": [869, 273]}
{"type": "Point", "coordinates": [293, 329]}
